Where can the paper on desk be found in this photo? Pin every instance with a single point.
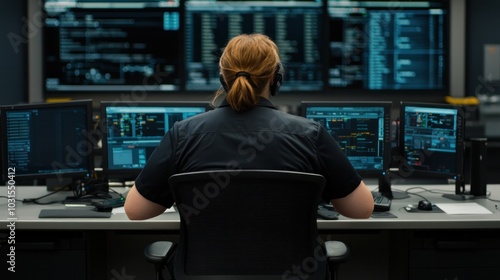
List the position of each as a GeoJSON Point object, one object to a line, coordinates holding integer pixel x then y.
{"type": "Point", "coordinates": [121, 210]}
{"type": "Point", "coordinates": [463, 208]}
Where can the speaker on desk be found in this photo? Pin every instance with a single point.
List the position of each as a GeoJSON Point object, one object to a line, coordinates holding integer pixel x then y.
{"type": "Point", "coordinates": [478, 151]}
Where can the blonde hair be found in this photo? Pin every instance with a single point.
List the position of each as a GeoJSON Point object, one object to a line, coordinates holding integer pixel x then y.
{"type": "Point", "coordinates": [248, 63]}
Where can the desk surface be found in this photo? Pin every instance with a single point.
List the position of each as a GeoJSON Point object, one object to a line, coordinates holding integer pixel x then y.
{"type": "Point", "coordinates": [26, 215]}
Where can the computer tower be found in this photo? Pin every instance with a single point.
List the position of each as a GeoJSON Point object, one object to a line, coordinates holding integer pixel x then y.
{"type": "Point", "coordinates": [478, 157]}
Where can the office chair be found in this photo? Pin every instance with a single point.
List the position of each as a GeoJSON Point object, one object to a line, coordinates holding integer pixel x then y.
{"type": "Point", "coordinates": [247, 224]}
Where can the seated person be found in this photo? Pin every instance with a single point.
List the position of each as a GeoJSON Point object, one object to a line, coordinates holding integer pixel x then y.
{"type": "Point", "coordinates": [245, 131]}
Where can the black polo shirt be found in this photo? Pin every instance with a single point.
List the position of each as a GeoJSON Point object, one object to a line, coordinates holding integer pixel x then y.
{"type": "Point", "coordinates": [261, 138]}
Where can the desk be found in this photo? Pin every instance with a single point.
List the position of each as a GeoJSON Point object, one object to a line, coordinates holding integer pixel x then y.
{"type": "Point", "coordinates": [27, 215]}
{"type": "Point", "coordinates": [389, 248]}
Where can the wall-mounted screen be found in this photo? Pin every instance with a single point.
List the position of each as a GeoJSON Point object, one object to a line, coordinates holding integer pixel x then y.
{"type": "Point", "coordinates": [174, 45]}
{"type": "Point", "coordinates": [112, 45]}
{"type": "Point", "coordinates": [295, 26]}
{"type": "Point", "coordinates": [388, 45]}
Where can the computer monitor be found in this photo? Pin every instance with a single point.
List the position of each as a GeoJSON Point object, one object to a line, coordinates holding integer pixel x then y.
{"type": "Point", "coordinates": [431, 141]}
{"type": "Point", "coordinates": [388, 45]}
{"type": "Point", "coordinates": [48, 141]}
{"type": "Point", "coordinates": [112, 45]}
{"type": "Point", "coordinates": [132, 131]}
{"type": "Point", "coordinates": [362, 130]}
{"type": "Point", "coordinates": [295, 26]}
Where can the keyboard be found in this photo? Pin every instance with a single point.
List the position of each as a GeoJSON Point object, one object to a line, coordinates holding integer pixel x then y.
{"type": "Point", "coordinates": [382, 203]}
{"type": "Point", "coordinates": [72, 213]}
{"type": "Point", "coordinates": [109, 204]}
{"type": "Point", "coordinates": [327, 212]}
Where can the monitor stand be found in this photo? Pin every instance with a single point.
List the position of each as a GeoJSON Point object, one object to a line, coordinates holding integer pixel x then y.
{"type": "Point", "coordinates": [463, 196]}
{"type": "Point", "coordinates": [460, 193]}
{"type": "Point", "coordinates": [385, 188]}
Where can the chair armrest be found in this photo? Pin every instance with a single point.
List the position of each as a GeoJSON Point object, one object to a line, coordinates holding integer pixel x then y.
{"type": "Point", "coordinates": [158, 252]}
{"type": "Point", "coordinates": [336, 252]}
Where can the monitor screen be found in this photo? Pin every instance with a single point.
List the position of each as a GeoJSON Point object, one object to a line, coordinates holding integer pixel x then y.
{"type": "Point", "coordinates": [112, 45]}
{"type": "Point", "coordinates": [362, 130]}
{"type": "Point", "coordinates": [388, 45]}
{"type": "Point", "coordinates": [133, 130]}
{"type": "Point", "coordinates": [431, 140]}
{"type": "Point", "coordinates": [295, 26]}
{"type": "Point", "coordinates": [48, 140]}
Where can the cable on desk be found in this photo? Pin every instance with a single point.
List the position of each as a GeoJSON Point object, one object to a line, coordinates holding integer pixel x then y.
{"type": "Point", "coordinates": [412, 193]}
{"type": "Point", "coordinates": [120, 194]}
{"type": "Point", "coordinates": [78, 190]}
{"type": "Point", "coordinates": [36, 200]}
{"type": "Point", "coordinates": [81, 189]}
{"type": "Point", "coordinates": [432, 191]}
{"type": "Point", "coordinates": [395, 190]}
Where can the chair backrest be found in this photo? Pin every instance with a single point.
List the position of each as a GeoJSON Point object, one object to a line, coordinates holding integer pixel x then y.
{"type": "Point", "coordinates": [248, 224]}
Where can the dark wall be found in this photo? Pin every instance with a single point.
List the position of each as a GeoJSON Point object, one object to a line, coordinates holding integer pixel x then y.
{"type": "Point", "coordinates": [13, 52]}
{"type": "Point", "coordinates": [481, 28]}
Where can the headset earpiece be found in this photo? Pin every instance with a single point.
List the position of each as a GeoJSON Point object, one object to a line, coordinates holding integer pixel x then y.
{"type": "Point", "coordinates": [223, 83]}
{"type": "Point", "coordinates": [277, 81]}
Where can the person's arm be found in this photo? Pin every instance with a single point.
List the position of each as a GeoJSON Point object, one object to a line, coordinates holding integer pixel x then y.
{"type": "Point", "coordinates": [139, 208]}
{"type": "Point", "coordinates": [358, 204]}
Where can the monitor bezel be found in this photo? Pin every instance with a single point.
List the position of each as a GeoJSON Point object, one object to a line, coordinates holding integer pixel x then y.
{"type": "Point", "coordinates": [60, 176]}
{"type": "Point", "coordinates": [408, 172]}
{"type": "Point", "coordinates": [130, 174]}
{"type": "Point", "coordinates": [387, 105]}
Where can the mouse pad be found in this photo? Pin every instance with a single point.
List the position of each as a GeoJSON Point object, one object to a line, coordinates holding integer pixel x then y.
{"type": "Point", "coordinates": [376, 215]}
{"type": "Point", "coordinates": [435, 209]}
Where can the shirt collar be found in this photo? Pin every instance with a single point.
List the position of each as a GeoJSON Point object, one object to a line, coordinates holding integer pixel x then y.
{"type": "Point", "coordinates": [263, 102]}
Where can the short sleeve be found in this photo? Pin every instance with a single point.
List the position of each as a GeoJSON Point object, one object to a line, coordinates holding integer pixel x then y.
{"type": "Point", "coordinates": [152, 182]}
{"type": "Point", "coordinates": [341, 177]}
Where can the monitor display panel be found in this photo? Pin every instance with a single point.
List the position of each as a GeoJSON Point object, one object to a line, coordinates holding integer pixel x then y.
{"type": "Point", "coordinates": [112, 45]}
{"type": "Point", "coordinates": [388, 45]}
{"type": "Point", "coordinates": [362, 130]}
{"type": "Point", "coordinates": [132, 131]}
{"type": "Point", "coordinates": [48, 140]}
{"type": "Point", "coordinates": [295, 26]}
{"type": "Point", "coordinates": [431, 140]}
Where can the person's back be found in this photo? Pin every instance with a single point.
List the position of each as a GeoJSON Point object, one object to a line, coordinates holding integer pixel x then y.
{"type": "Point", "coordinates": [247, 132]}
{"type": "Point", "coordinates": [261, 138]}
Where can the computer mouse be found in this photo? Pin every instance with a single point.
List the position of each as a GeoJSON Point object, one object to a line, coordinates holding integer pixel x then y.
{"type": "Point", "coordinates": [424, 205]}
